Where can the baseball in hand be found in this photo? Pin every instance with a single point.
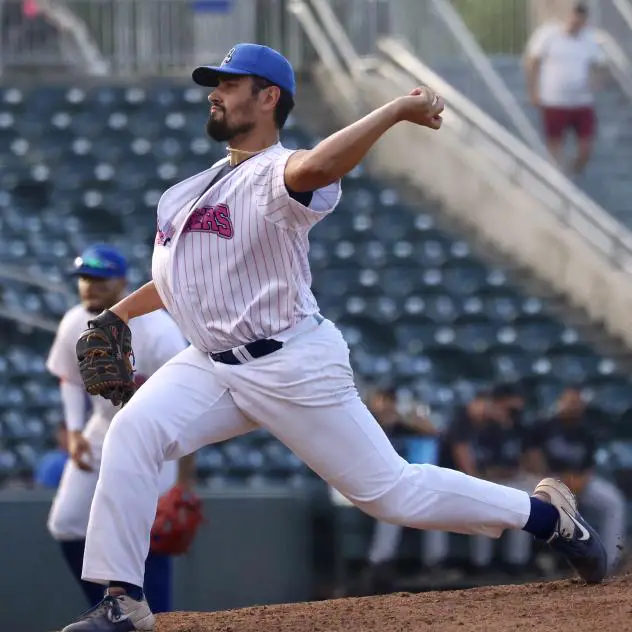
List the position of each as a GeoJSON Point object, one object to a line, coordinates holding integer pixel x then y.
{"type": "Point", "coordinates": [422, 106]}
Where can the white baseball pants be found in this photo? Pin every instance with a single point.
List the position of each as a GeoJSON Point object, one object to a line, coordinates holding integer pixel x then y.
{"type": "Point", "coordinates": [70, 511]}
{"type": "Point", "coordinates": [303, 394]}
{"type": "Point", "coordinates": [517, 549]}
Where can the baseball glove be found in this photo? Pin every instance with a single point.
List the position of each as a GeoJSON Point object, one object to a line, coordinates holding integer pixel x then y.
{"type": "Point", "coordinates": [178, 517]}
{"type": "Point", "coordinates": [106, 359]}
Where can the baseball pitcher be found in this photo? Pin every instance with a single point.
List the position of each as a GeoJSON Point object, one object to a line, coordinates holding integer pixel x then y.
{"type": "Point", "coordinates": [230, 264]}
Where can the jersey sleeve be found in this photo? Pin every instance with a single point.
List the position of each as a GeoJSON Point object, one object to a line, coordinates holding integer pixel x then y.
{"type": "Point", "coordinates": [62, 358]}
{"type": "Point", "coordinates": [538, 42]}
{"type": "Point", "coordinates": [279, 207]}
{"type": "Point", "coordinates": [166, 342]}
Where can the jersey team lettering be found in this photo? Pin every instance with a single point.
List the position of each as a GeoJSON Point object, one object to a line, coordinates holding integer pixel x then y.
{"type": "Point", "coordinates": [214, 219]}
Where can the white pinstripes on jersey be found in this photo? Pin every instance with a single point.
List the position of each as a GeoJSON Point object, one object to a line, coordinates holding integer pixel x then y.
{"type": "Point", "coordinates": [224, 292]}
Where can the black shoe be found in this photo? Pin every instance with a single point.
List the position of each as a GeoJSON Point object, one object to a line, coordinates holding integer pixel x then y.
{"type": "Point", "coordinates": [116, 613]}
{"type": "Point", "coordinates": [574, 538]}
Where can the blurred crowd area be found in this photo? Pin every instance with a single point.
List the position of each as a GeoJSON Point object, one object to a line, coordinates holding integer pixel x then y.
{"type": "Point", "coordinates": [499, 437]}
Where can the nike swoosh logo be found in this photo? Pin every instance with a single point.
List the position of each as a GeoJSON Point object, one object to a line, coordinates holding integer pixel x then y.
{"type": "Point", "coordinates": [582, 529]}
{"type": "Point", "coordinates": [123, 617]}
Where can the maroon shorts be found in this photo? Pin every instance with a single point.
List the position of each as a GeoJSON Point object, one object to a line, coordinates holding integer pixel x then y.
{"type": "Point", "coordinates": [558, 120]}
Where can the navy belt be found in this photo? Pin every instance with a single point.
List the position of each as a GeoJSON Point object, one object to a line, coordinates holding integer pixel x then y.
{"type": "Point", "coordinates": [256, 349]}
{"type": "Point", "coordinates": [253, 350]}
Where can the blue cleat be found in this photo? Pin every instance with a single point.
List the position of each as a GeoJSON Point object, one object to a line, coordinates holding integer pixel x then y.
{"type": "Point", "coordinates": [116, 613]}
{"type": "Point", "coordinates": [574, 538]}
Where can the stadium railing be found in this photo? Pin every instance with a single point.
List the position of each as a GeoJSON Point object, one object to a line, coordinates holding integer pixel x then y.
{"type": "Point", "coordinates": [564, 200]}
{"type": "Point", "coordinates": [34, 279]}
{"type": "Point", "coordinates": [127, 38]}
{"type": "Point", "coordinates": [503, 27]}
{"type": "Point", "coordinates": [619, 64]}
{"type": "Point", "coordinates": [615, 17]}
{"type": "Point", "coordinates": [449, 23]}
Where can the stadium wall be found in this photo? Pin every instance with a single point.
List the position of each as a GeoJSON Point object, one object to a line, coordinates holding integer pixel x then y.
{"type": "Point", "coordinates": [255, 548]}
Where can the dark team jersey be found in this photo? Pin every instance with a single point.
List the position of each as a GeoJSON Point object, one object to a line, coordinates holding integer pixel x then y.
{"type": "Point", "coordinates": [461, 430]}
{"type": "Point", "coordinates": [505, 446]}
{"type": "Point", "coordinates": [492, 445]}
{"type": "Point", "coordinates": [566, 447]}
{"type": "Point", "coordinates": [398, 433]}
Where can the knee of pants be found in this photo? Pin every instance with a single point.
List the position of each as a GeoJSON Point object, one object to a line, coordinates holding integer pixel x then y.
{"type": "Point", "coordinates": [390, 506]}
{"type": "Point", "coordinates": [66, 526]}
{"type": "Point", "coordinates": [68, 518]}
{"type": "Point", "coordinates": [134, 439]}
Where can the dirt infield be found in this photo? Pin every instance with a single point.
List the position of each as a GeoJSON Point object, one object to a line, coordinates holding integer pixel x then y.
{"type": "Point", "coordinates": [546, 606]}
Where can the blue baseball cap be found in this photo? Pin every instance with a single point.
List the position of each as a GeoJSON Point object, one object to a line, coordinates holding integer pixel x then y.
{"type": "Point", "coordinates": [100, 261]}
{"type": "Point", "coordinates": [250, 59]}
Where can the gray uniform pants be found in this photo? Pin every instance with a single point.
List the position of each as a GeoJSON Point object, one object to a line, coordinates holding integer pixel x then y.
{"type": "Point", "coordinates": [606, 508]}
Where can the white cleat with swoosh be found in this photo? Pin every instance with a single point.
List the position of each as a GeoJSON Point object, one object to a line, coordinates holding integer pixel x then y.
{"type": "Point", "coordinates": [574, 538]}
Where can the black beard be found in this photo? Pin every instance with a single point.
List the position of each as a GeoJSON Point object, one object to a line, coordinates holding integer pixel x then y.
{"type": "Point", "coordinates": [221, 132]}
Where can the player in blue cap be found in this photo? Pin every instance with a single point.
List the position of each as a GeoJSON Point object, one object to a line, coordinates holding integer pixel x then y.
{"type": "Point", "coordinates": [231, 266]}
{"type": "Point", "coordinates": [246, 71]}
{"type": "Point", "coordinates": [101, 277]}
{"type": "Point", "coordinates": [101, 272]}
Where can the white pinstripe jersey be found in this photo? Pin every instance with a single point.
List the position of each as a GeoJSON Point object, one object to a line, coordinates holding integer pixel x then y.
{"type": "Point", "coordinates": [232, 266]}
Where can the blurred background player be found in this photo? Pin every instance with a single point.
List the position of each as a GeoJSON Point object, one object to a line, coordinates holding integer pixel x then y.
{"type": "Point", "coordinates": [51, 465]}
{"type": "Point", "coordinates": [101, 274]}
{"type": "Point", "coordinates": [402, 429]}
{"type": "Point", "coordinates": [502, 441]}
{"type": "Point", "coordinates": [565, 444]}
{"type": "Point", "coordinates": [485, 439]}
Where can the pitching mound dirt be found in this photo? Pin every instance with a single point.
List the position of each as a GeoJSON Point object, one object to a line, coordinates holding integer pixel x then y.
{"type": "Point", "coordinates": [549, 606]}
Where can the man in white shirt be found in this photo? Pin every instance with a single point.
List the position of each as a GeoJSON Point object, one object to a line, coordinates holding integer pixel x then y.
{"type": "Point", "coordinates": [560, 60]}
{"type": "Point", "coordinates": [100, 273]}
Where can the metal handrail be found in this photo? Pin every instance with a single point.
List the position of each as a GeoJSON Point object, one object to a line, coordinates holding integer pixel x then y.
{"type": "Point", "coordinates": [625, 11]}
{"type": "Point", "coordinates": [17, 274]}
{"type": "Point", "coordinates": [618, 62]}
{"type": "Point", "coordinates": [323, 47]}
{"type": "Point", "coordinates": [338, 34]}
{"type": "Point", "coordinates": [615, 18]}
{"type": "Point", "coordinates": [454, 22]}
{"type": "Point", "coordinates": [573, 203]}
{"type": "Point", "coordinates": [24, 318]}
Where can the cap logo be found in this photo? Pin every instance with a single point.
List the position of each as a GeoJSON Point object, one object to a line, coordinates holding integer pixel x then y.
{"type": "Point", "coordinates": [229, 56]}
